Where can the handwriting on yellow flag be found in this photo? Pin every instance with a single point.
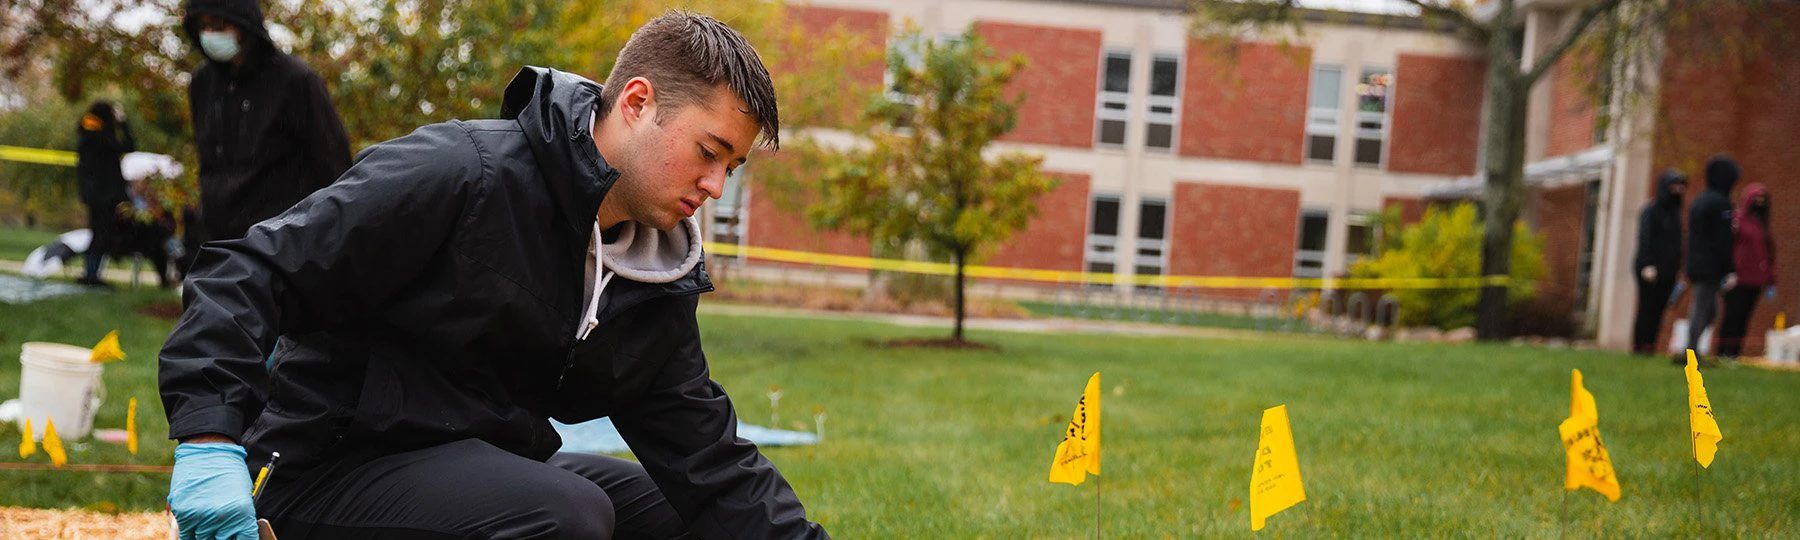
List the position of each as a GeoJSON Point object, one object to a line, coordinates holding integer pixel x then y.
{"type": "Point", "coordinates": [1079, 453]}
{"type": "Point", "coordinates": [1704, 427]}
{"type": "Point", "coordinates": [1589, 464]}
{"type": "Point", "coordinates": [1275, 476]}
{"type": "Point", "coordinates": [108, 349]}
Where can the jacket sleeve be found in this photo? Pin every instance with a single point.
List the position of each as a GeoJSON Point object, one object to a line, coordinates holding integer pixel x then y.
{"type": "Point", "coordinates": [328, 147]}
{"type": "Point", "coordinates": [1725, 238]}
{"type": "Point", "coordinates": [684, 432]}
{"type": "Point", "coordinates": [1646, 238]}
{"type": "Point", "coordinates": [126, 143]}
{"type": "Point", "coordinates": [338, 253]}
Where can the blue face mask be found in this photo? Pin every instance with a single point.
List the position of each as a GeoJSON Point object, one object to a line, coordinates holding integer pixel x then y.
{"type": "Point", "coordinates": [219, 46]}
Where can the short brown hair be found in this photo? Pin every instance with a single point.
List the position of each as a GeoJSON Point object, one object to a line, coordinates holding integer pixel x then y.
{"type": "Point", "coordinates": [685, 55]}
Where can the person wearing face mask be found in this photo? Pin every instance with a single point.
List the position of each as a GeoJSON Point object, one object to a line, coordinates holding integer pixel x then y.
{"type": "Point", "coordinates": [264, 127]}
{"type": "Point", "coordinates": [1753, 251]}
{"type": "Point", "coordinates": [1658, 259]}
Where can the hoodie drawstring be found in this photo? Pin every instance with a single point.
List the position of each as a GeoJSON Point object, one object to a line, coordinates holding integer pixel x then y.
{"type": "Point", "coordinates": [590, 318]}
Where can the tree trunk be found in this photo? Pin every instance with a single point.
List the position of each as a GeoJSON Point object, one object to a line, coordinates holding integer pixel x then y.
{"type": "Point", "coordinates": [957, 334]}
{"type": "Point", "coordinates": [1505, 171]}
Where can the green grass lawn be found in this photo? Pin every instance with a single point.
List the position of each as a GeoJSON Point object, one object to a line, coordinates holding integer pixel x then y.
{"type": "Point", "coordinates": [1157, 315]}
{"type": "Point", "coordinates": [1393, 440]}
{"type": "Point", "coordinates": [17, 242]}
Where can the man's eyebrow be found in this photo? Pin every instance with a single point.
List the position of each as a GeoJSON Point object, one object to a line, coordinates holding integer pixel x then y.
{"type": "Point", "coordinates": [729, 149]}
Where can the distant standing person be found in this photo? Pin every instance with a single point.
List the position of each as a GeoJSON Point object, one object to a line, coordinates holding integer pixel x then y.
{"type": "Point", "coordinates": [1710, 266]}
{"type": "Point", "coordinates": [264, 126]}
{"type": "Point", "coordinates": [1658, 259]}
{"type": "Point", "coordinates": [103, 138]}
{"type": "Point", "coordinates": [1753, 253]}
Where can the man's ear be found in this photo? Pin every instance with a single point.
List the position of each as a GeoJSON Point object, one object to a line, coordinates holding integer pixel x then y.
{"type": "Point", "coordinates": [637, 101]}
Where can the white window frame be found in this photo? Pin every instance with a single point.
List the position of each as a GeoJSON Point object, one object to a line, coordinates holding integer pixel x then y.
{"type": "Point", "coordinates": [1322, 121]}
{"type": "Point", "coordinates": [1173, 103]}
{"type": "Point", "coordinates": [1383, 120]}
{"type": "Point", "coordinates": [1104, 97]}
{"type": "Point", "coordinates": [1301, 254]}
{"type": "Point", "coordinates": [1097, 248]}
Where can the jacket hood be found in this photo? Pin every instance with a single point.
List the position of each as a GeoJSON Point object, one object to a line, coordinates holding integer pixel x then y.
{"type": "Point", "coordinates": [555, 109]}
{"type": "Point", "coordinates": [1722, 173]}
{"type": "Point", "coordinates": [247, 15]}
{"type": "Point", "coordinates": [1663, 181]}
{"type": "Point", "coordinates": [644, 254]}
{"type": "Point", "coordinates": [1752, 190]}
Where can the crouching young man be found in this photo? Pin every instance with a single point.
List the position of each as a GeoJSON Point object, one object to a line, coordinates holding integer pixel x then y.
{"type": "Point", "coordinates": [461, 286]}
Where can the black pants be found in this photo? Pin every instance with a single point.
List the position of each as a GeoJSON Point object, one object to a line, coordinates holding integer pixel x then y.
{"type": "Point", "coordinates": [1703, 308]}
{"type": "Point", "coordinates": [103, 224]}
{"type": "Point", "coordinates": [471, 489]}
{"type": "Point", "coordinates": [1652, 301]}
{"type": "Point", "coordinates": [1739, 304]}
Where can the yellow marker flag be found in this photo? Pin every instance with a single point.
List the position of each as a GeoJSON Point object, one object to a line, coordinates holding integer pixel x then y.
{"type": "Point", "coordinates": [1079, 453]}
{"type": "Point", "coordinates": [131, 427]}
{"type": "Point", "coordinates": [108, 349]}
{"type": "Point", "coordinates": [53, 444]}
{"type": "Point", "coordinates": [1275, 474]}
{"type": "Point", "coordinates": [1704, 428]}
{"type": "Point", "coordinates": [27, 445]}
{"type": "Point", "coordinates": [1589, 464]}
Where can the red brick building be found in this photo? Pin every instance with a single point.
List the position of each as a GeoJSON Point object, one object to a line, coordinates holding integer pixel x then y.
{"type": "Point", "coordinates": [1262, 158]}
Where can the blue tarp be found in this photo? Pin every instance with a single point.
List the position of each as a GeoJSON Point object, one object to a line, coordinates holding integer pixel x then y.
{"type": "Point", "coordinates": [600, 437]}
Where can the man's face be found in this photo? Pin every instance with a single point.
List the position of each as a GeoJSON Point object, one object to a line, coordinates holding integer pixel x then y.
{"type": "Point", "coordinates": [680, 158]}
{"type": "Point", "coordinates": [1677, 188]}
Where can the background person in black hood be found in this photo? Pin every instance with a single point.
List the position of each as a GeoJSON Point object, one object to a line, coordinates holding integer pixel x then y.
{"type": "Point", "coordinates": [1710, 267]}
{"type": "Point", "coordinates": [103, 138]}
{"type": "Point", "coordinates": [1658, 260]}
{"type": "Point", "coordinates": [264, 126]}
{"type": "Point", "coordinates": [461, 286]}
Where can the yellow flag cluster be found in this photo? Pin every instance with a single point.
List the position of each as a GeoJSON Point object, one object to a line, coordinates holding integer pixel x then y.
{"type": "Point", "coordinates": [27, 445]}
{"type": "Point", "coordinates": [1275, 475]}
{"type": "Point", "coordinates": [1705, 429]}
{"type": "Point", "coordinates": [131, 427]}
{"type": "Point", "coordinates": [1589, 464]}
{"type": "Point", "coordinates": [1079, 453]}
{"type": "Point", "coordinates": [108, 349]}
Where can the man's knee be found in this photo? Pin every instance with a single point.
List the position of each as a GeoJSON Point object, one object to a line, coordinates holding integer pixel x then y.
{"type": "Point", "coordinates": [575, 510]}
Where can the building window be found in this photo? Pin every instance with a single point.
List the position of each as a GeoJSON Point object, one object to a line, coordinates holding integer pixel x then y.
{"type": "Point", "coordinates": [730, 211]}
{"type": "Point", "coordinates": [1309, 250]}
{"type": "Point", "coordinates": [1373, 93]}
{"type": "Point", "coordinates": [1115, 91]}
{"type": "Point", "coordinates": [1103, 235]}
{"type": "Point", "coordinates": [1152, 240]}
{"type": "Point", "coordinates": [1361, 240]}
{"type": "Point", "coordinates": [1322, 113]}
{"type": "Point", "coordinates": [1164, 102]}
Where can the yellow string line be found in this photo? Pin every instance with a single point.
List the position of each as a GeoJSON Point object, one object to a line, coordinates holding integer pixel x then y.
{"type": "Point", "coordinates": [37, 155]}
{"type": "Point", "coordinates": [1103, 278]}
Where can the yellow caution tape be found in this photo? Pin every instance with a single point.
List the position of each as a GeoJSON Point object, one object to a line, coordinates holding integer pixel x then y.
{"type": "Point", "coordinates": [1102, 278]}
{"type": "Point", "coordinates": [37, 155]}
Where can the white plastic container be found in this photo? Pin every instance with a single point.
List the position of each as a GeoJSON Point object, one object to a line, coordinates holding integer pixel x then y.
{"type": "Point", "coordinates": [58, 382]}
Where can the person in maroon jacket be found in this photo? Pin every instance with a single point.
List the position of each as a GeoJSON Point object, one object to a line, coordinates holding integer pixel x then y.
{"type": "Point", "coordinates": [1753, 251]}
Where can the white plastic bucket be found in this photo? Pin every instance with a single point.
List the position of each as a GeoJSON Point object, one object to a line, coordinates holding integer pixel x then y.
{"type": "Point", "coordinates": [58, 382]}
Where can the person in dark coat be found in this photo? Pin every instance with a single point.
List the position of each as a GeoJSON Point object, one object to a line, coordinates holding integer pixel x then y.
{"type": "Point", "coordinates": [1753, 255]}
{"type": "Point", "coordinates": [1710, 265]}
{"type": "Point", "coordinates": [1658, 259]}
{"type": "Point", "coordinates": [103, 139]}
{"type": "Point", "coordinates": [264, 126]}
{"type": "Point", "coordinates": [463, 285]}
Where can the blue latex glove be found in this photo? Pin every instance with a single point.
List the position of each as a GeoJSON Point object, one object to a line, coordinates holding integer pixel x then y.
{"type": "Point", "coordinates": [1769, 294]}
{"type": "Point", "coordinates": [210, 492]}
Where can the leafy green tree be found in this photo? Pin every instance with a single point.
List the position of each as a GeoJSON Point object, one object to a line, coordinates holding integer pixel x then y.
{"type": "Point", "coordinates": [1447, 244]}
{"type": "Point", "coordinates": [924, 175]}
